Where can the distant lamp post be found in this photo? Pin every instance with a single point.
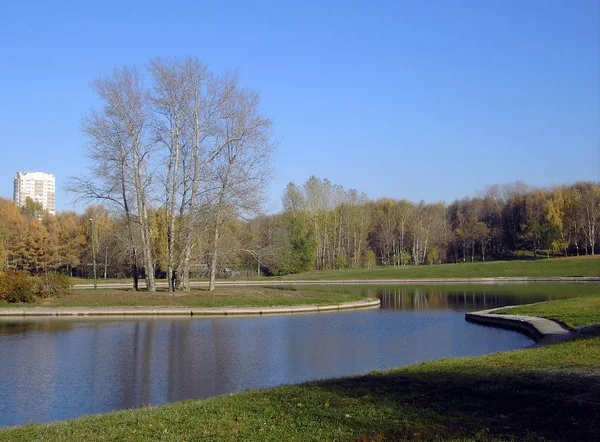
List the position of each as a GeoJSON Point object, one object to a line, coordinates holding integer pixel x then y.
{"type": "Point", "coordinates": [93, 251]}
{"type": "Point", "coordinates": [257, 261]}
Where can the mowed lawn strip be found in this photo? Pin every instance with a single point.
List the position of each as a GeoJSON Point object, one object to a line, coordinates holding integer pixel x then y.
{"type": "Point", "coordinates": [546, 393]}
{"type": "Point", "coordinates": [573, 312]}
{"type": "Point", "coordinates": [554, 267]}
{"type": "Point", "coordinates": [221, 297]}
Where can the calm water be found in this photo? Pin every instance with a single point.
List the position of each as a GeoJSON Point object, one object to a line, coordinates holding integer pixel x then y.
{"type": "Point", "coordinates": [55, 369]}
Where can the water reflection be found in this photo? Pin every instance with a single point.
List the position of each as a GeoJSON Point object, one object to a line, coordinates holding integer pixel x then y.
{"type": "Point", "coordinates": [464, 298]}
{"type": "Point", "coordinates": [57, 368]}
{"type": "Point", "coordinates": [420, 299]}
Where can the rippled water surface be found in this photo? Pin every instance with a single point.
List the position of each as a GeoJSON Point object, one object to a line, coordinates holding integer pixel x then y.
{"type": "Point", "coordinates": [54, 369]}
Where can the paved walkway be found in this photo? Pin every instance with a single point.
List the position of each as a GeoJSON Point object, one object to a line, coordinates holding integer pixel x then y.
{"type": "Point", "coordinates": [183, 311]}
{"type": "Point", "coordinates": [543, 331]}
{"type": "Point", "coordinates": [270, 282]}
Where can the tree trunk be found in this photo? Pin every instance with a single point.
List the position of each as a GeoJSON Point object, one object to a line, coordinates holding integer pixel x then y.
{"type": "Point", "coordinates": [214, 259]}
{"type": "Point", "coordinates": [134, 273]}
{"type": "Point", "coordinates": [143, 223]}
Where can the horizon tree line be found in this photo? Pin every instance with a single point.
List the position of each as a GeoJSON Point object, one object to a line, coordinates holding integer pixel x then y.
{"type": "Point", "coordinates": [321, 226]}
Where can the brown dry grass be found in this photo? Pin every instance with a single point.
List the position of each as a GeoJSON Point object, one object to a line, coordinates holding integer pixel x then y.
{"type": "Point", "coordinates": [200, 297]}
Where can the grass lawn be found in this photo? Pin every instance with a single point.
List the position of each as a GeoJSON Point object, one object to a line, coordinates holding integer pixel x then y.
{"type": "Point", "coordinates": [551, 392]}
{"type": "Point", "coordinates": [573, 266]}
{"type": "Point", "coordinates": [574, 312]}
{"type": "Point", "coordinates": [221, 297]}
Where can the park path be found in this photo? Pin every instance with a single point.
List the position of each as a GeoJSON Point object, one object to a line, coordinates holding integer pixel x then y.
{"type": "Point", "coordinates": [204, 283]}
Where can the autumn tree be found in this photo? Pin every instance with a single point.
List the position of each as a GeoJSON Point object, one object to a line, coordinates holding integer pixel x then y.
{"type": "Point", "coordinates": [12, 223]}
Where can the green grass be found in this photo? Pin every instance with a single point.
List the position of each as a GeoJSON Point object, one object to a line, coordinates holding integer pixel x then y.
{"type": "Point", "coordinates": [221, 297]}
{"type": "Point", "coordinates": [566, 267]}
{"type": "Point", "coordinates": [574, 312]}
{"type": "Point", "coordinates": [551, 393]}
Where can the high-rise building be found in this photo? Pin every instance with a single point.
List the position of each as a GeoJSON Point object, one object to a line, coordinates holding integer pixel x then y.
{"type": "Point", "coordinates": [38, 186]}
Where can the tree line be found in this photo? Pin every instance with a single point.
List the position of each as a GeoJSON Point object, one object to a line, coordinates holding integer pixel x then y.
{"type": "Point", "coordinates": [326, 227]}
{"type": "Point", "coordinates": [321, 226]}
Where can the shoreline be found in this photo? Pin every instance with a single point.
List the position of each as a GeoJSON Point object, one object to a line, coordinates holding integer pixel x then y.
{"type": "Point", "coordinates": [542, 330]}
{"type": "Point", "coordinates": [184, 311]}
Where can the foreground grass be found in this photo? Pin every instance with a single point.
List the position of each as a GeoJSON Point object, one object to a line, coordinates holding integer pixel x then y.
{"type": "Point", "coordinates": [574, 312]}
{"type": "Point", "coordinates": [566, 267]}
{"type": "Point", "coordinates": [551, 392]}
{"type": "Point", "coordinates": [221, 297]}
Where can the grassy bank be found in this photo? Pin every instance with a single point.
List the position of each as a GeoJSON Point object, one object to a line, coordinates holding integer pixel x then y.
{"type": "Point", "coordinates": [573, 312]}
{"type": "Point", "coordinates": [221, 297]}
{"type": "Point", "coordinates": [556, 267]}
{"type": "Point", "coordinates": [550, 392]}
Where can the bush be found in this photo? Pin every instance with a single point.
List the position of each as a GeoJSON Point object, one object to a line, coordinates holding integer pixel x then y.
{"type": "Point", "coordinates": [53, 285]}
{"type": "Point", "coordinates": [17, 286]}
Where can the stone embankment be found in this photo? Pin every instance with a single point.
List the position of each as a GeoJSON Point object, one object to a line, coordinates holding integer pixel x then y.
{"type": "Point", "coordinates": [543, 331]}
{"type": "Point", "coordinates": [184, 311]}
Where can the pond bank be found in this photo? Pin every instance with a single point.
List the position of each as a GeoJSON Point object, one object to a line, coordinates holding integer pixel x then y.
{"type": "Point", "coordinates": [543, 331]}
{"type": "Point", "coordinates": [184, 311]}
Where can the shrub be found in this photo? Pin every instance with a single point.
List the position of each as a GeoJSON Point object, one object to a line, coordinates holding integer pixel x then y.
{"type": "Point", "coordinates": [53, 284]}
{"type": "Point", "coordinates": [17, 286]}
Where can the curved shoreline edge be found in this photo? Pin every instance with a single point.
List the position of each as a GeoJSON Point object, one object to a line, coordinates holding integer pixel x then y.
{"type": "Point", "coordinates": [543, 331]}
{"type": "Point", "coordinates": [185, 311]}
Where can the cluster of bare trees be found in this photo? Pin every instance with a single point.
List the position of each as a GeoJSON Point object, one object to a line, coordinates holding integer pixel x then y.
{"type": "Point", "coordinates": [189, 143]}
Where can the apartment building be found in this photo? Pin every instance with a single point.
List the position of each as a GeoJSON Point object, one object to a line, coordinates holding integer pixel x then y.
{"type": "Point", "coordinates": [38, 186]}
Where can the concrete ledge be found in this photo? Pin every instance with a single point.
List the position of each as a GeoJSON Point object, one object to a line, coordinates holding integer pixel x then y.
{"type": "Point", "coordinates": [183, 311]}
{"type": "Point", "coordinates": [543, 331]}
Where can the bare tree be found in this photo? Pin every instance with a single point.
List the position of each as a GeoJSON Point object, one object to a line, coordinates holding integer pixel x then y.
{"type": "Point", "coordinates": [120, 151]}
{"type": "Point", "coordinates": [189, 102]}
{"type": "Point", "coordinates": [205, 108]}
{"type": "Point", "coordinates": [241, 166]}
{"type": "Point", "coordinates": [170, 99]}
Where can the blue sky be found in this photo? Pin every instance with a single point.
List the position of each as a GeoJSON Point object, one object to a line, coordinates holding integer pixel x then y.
{"type": "Point", "coordinates": [414, 99]}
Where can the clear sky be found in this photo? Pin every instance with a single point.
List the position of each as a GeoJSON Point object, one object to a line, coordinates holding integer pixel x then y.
{"type": "Point", "coordinates": [413, 99]}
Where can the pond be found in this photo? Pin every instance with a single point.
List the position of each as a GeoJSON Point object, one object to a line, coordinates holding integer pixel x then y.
{"type": "Point", "coordinates": [54, 368]}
